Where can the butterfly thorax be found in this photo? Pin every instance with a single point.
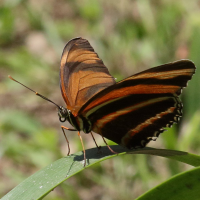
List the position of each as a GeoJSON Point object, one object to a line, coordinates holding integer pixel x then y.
{"type": "Point", "coordinates": [84, 124]}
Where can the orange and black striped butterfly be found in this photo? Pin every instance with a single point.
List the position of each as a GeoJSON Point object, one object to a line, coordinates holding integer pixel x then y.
{"type": "Point", "coordinates": [131, 112]}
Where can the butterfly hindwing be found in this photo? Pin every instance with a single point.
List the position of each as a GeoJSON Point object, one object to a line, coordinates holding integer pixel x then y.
{"type": "Point", "coordinates": [135, 110]}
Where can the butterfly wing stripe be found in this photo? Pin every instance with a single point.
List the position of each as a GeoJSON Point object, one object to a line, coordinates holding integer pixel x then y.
{"type": "Point", "coordinates": [152, 131]}
{"type": "Point", "coordinates": [173, 66]}
{"type": "Point", "coordinates": [121, 103]}
{"type": "Point", "coordinates": [94, 109]}
{"type": "Point", "coordinates": [64, 71]}
{"type": "Point", "coordinates": [105, 119]}
{"type": "Point", "coordinates": [94, 80]}
{"type": "Point", "coordinates": [129, 135]}
{"type": "Point", "coordinates": [122, 92]}
{"type": "Point", "coordinates": [163, 75]}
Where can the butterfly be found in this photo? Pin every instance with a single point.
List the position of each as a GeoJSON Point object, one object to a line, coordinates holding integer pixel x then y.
{"type": "Point", "coordinates": [130, 112]}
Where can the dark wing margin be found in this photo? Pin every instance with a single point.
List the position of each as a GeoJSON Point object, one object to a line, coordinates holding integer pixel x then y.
{"type": "Point", "coordinates": [135, 110]}
{"type": "Point", "coordinates": [82, 74]}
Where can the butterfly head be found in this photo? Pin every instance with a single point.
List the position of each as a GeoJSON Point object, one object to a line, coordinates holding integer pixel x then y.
{"type": "Point", "coordinates": [63, 114]}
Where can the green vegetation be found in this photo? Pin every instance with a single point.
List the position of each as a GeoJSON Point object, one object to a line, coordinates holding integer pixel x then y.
{"type": "Point", "coordinates": [129, 36]}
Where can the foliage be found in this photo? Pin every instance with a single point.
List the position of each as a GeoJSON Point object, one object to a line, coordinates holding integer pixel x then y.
{"type": "Point", "coordinates": [41, 183]}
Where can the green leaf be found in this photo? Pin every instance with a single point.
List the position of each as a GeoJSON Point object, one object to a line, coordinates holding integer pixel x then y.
{"type": "Point", "coordinates": [42, 182]}
{"type": "Point", "coordinates": [182, 186]}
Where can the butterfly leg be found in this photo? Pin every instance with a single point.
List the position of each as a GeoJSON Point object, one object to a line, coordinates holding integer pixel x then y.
{"type": "Point", "coordinates": [109, 146]}
{"type": "Point", "coordinates": [63, 127]}
{"type": "Point", "coordinates": [99, 147]}
{"type": "Point", "coordinates": [83, 148]}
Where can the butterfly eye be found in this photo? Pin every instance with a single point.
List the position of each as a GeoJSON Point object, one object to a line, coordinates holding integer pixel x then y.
{"type": "Point", "coordinates": [63, 114]}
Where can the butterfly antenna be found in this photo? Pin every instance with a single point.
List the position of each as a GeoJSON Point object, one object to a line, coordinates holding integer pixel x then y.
{"type": "Point", "coordinates": [10, 77]}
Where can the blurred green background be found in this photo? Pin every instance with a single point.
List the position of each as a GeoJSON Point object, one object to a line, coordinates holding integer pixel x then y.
{"type": "Point", "coordinates": [129, 36]}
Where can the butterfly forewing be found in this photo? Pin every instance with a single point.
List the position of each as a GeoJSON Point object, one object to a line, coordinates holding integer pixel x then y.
{"type": "Point", "coordinates": [82, 74]}
{"type": "Point", "coordinates": [134, 110]}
